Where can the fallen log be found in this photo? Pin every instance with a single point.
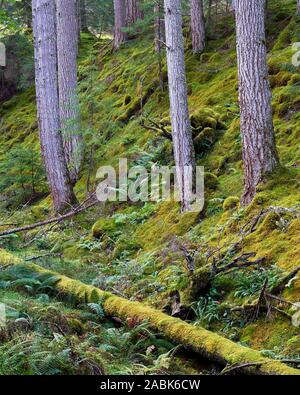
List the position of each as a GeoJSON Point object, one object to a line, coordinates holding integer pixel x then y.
{"type": "Point", "coordinates": [208, 344]}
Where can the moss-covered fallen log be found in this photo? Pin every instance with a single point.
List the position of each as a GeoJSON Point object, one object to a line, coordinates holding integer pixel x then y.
{"type": "Point", "coordinates": [210, 345]}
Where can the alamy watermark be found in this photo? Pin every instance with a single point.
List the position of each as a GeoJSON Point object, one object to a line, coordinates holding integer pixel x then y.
{"type": "Point", "coordinates": [2, 55]}
{"type": "Point", "coordinates": [161, 183]}
{"type": "Point", "coordinates": [296, 56]}
{"type": "Point", "coordinates": [2, 315]}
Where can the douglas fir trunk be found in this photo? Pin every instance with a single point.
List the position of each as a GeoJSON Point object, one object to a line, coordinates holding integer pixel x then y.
{"type": "Point", "coordinates": [181, 127]}
{"type": "Point", "coordinates": [120, 23]}
{"type": "Point", "coordinates": [44, 23]}
{"type": "Point", "coordinates": [197, 25]}
{"type": "Point", "coordinates": [133, 11]}
{"type": "Point", "coordinates": [259, 150]}
{"type": "Point", "coordinates": [67, 48]}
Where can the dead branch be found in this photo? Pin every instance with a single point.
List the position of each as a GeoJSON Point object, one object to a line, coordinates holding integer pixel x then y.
{"type": "Point", "coordinates": [282, 284]}
{"type": "Point", "coordinates": [239, 262]}
{"type": "Point", "coordinates": [79, 209]}
{"type": "Point", "coordinates": [155, 127]}
{"type": "Point", "coordinates": [52, 254]}
{"type": "Point", "coordinates": [239, 367]}
{"type": "Point", "coordinates": [261, 299]}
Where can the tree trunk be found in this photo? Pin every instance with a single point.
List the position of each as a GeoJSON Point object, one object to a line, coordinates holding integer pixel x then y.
{"type": "Point", "coordinates": [208, 344]}
{"type": "Point", "coordinates": [259, 149]}
{"type": "Point", "coordinates": [197, 25]}
{"type": "Point", "coordinates": [44, 23]}
{"type": "Point", "coordinates": [83, 18]}
{"type": "Point", "coordinates": [298, 7]}
{"type": "Point", "coordinates": [233, 5]}
{"type": "Point", "coordinates": [67, 50]}
{"type": "Point", "coordinates": [133, 11]}
{"type": "Point", "coordinates": [181, 127]}
{"type": "Point", "coordinates": [159, 30]}
{"type": "Point", "coordinates": [120, 23]}
{"type": "Point", "coordinates": [27, 13]}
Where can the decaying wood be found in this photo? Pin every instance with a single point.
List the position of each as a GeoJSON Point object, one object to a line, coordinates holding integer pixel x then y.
{"type": "Point", "coordinates": [155, 127]}
{"type": "Point", "coordinates": [34, 258]}
{"type": "Point", "coordinates": [208, 344]}
{"type": "Point", "coordinates": [283, 282]}
{"type": "Point", "coordinates": [230, 369]}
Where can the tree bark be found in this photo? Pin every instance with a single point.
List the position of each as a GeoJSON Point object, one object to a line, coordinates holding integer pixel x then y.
{"type": "Point", "coordinates": [159, 31]}
{"type": "Point", "coordinates": [197, 25]}
{"type": "Point", "coordinates": [83, 17]}
{"type": "Point", "coordinates": [298, 7]}
{"type": "Point", "coordinates": [120, 23]}
{"type": "Point", "coordinates": [159, 28]}
{"type": "Point", "coordinates": [133, 11]}
{"type": "Point", "coordinates": [67, 50]}
{"type": "Point", "coordinates": [44, 23]}
{"type": "Point", "coordinates": [259, 150]}
{"type": "Point", "coordinates": [27, 13]}
{"type": "Point", "coordinates": [181, 127]}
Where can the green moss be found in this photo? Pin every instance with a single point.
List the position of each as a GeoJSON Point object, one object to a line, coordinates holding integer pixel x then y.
{"type": "Point", "coordinates": [198, 339]}
{"type": "Point", "coordinates": [231, 203]}
{"type": "Point", "coordinates": [104, 226]}
{"type": "Point", "coordinates": [7, 258]}
{"type": "Point", "coordinates": [211, 181]}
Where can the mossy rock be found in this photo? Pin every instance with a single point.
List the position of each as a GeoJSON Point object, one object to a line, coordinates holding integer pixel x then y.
{"type": "Point", "coordinates": [125, 245]}
{"type": "Point", "coordinates": [203, 119]}
{"type": "Point", "coordinates": [270, 222]}
{"type": "Point", "coordinates": [231, 203]}
{"type": "Point", "coordinates": [104, 226]}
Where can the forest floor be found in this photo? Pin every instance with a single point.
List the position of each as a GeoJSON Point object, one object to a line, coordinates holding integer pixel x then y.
{"type": "Point", "coordinates": [138, 251]}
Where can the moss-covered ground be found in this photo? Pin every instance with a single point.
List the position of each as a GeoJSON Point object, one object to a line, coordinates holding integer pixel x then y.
{"type": "Point", "coordinates": [134, 249]}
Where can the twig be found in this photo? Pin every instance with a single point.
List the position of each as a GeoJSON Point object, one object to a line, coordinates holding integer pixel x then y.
{"type": "Point", "coordinates": [33, 258]}
{"type": "Point", "coordinates": [59, 219]}
{"type": "Point", "coordinates": [282, 284]}
{"type": "Point", "coordinates": [262, 297]}
{"type": "Point", "coordinates": [242, 366]}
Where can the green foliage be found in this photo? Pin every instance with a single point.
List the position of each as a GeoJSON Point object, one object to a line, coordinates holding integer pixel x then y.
{"type": "Point", "coordinates": [22, 175]}
{"type": "Point", "coordinates": [250, 283]}
{"type": "Point", "coordinates": [207, 310]}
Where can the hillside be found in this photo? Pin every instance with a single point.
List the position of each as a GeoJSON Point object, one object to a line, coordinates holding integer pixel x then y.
{"type": "Point", "coordinates": [139, 251]}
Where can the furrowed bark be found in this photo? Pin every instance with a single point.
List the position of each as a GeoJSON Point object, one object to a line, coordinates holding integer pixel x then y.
{"type": "Point", "coordinates": [159, 32]}
{"type": "Point", "coordinates": [206, 343]}
{"type": "Point", "coordinates": [83, 17]}
{"type": "Point", "coordinates": [197, 25]}
{"type": "Point", "coordinates": [120, 23]}
{"type": "Point", "coordinates": [44, 24]}
{"type": "Point", "coordinates": [181, 127]}
{"type": "Point", "coordinates": [133, 12]}
{"type": "Point", "coordinates": [67, 50]}
{"type": "Point", "coordinates": [159, 26]}
{"type": "Point", "coordinates": [259, 150]}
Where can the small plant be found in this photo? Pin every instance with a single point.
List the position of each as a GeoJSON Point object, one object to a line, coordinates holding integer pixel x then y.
{"type": "Point", "coordinates": [251, 282]}
{"type": "Point", "coordinates": [207, 310]}
{"type": "Point", "coordinates": [22, 175]}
